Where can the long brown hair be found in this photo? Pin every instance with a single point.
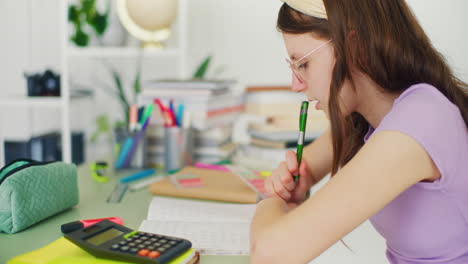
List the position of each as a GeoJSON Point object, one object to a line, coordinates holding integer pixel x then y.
{"type": "Point", "coordinates": [388, 45]}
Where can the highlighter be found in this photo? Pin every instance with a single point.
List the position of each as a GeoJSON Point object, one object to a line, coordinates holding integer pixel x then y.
{"type": "Point", "coordinates": [72, 226]}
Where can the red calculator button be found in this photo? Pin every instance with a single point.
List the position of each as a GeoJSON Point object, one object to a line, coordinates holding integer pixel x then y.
{"type": "Point", "coordinates": [154, 254]}
{"type": "Point", "coordinates": [143, 252]}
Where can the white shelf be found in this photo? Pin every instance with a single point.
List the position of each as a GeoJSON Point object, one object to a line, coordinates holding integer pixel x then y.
{"type": "Point", "coordinates": [69, 53]}
{"type": "Point", "coordinates": [119, 52]}
{"type": "Point", "coordinates": [51, 102]}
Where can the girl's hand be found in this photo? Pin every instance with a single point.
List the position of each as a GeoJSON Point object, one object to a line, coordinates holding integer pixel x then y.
{"type": "Point", "coordinates": [281, 182]}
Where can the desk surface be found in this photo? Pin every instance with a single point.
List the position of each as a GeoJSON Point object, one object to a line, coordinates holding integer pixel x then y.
{"type": "Point", "coordinates": [132, 209]}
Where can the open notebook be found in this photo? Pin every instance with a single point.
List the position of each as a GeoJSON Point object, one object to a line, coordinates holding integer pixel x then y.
{"type": "Point", "coordinates": [213, 228]}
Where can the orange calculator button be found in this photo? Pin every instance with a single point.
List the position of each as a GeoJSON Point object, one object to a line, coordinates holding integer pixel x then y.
{"type": "Point", "coordinates": [154, 254]}
{"type": "Point", "coordinates": [143, 252]}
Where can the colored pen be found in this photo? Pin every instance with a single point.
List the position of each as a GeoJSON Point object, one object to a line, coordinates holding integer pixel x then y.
{"type": "Point", "coordinates": [172, 113]}
{"type": "Point", "coordinates": [146, 115]}
{"type": "Point", "coordinates": [135, 142]}
{"type": "Point", "coordinates": [180, 114]}
{"type": "Point", "coordinates": [138, 175]}
{"type": "Point", "coordinates": [164, 112]}
{"type": "Point", "coordinates": [133, 118]}
{"type": "Point", "coordinates": [131, 142]}
{"type": "Point", "coordinates": [300, 140]}
{"type": "Point", "coordinates": [123, 152]}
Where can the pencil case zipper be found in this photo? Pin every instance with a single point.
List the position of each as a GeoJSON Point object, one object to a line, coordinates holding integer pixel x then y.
{"type": "Point", "coordinates": [31, 163]}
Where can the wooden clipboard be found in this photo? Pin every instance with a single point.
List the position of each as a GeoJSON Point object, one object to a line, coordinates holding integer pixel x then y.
{"type": "Point", "coordinates": [217, 186]}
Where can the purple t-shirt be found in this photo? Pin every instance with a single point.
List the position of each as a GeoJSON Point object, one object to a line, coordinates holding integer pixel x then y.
{"type": "Point", "coordinates": [428, 223]}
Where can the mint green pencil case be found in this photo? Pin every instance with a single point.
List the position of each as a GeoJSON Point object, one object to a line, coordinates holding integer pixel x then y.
{"type": "Point", "coordinates": [31, 191]}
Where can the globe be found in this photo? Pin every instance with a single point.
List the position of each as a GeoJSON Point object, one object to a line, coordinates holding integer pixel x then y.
{"type": "Point", "coordinates": [148, 20]}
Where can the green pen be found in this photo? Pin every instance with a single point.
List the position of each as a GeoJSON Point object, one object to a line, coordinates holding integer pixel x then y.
{"type": "Point", "coordinates": [300, 140]}
{"type": "Point", "coordinates": [146, 114]}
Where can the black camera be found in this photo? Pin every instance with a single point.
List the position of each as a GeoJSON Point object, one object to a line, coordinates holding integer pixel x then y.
{"type": "Point", "coordinates": [45, 84]}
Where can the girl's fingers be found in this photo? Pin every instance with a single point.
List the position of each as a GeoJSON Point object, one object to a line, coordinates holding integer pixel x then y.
{"type": "Point", "coordinates": [281, 191]}
{"type": "Point", "coordinates": [285, 177]}
{"type": "Point", "coordinates": [270, 191]}
{"type": "Point", "coordinates": [291, 161]}
{"type": "Point", "coordinates": [305, 179]}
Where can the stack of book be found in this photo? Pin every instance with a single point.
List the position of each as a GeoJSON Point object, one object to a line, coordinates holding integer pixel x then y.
{"type": "Point", "coordinates": [212, 106]}
{"type": "Point", "coordinates": [280, 108]}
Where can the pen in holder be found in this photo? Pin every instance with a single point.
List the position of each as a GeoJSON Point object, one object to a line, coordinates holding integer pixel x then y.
{"type": "Point", "coordinates": [178, 147]}
{"type": "Point", "coordinates": [130, 149]}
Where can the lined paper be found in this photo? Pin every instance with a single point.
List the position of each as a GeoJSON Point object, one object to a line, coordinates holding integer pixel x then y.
{"type": "Point", "coordinates": [213, 228]}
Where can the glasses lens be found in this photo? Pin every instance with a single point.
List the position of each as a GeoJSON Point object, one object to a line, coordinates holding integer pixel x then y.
{"type": "Point", "coordinates": [299, 75]}
{"type": "Point", "coordinates": [295, 71]}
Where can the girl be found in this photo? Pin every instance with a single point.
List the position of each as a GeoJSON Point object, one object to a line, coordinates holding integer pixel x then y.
{"type": "Point", "coordinates": [397, 148]}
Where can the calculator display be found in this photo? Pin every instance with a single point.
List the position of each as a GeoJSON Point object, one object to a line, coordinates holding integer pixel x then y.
{"type": "Point", "coordinates": [104, 236]}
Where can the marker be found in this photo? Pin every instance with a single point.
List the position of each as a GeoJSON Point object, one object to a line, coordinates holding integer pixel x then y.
{"type": "Point", "coordinates": [164, 112]}
{"type": "Point", "coordinates": [180, 113]}
{"type": "Point", "coordinates": [72, 226]}
{"type": "Point", "coordinates": [138, 175]}
{"type": "Point", "coordinates": [134, 146]}
{"type": "Point", "coordinates": [146, 115]}
{"type": "Point", "coordinates": [300, 140]}
{"type": "Point", "coordinates": [124, 152]}
{"type": "Point", "coordinates": [172, 113]}
{"type": "Point", "coordinates": [133, 120]}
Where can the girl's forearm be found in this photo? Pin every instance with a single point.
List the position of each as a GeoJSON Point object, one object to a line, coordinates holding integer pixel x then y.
{"type": "Point", "coordinates": [268, 211]}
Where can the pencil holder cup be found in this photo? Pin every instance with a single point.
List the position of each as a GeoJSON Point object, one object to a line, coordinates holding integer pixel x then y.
{"type": "Point", "coordinates": [129, 149]}
{"type": "Point", "coordinates": [178, 148]}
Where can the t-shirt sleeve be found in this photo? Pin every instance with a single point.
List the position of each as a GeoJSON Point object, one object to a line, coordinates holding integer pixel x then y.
{"type": "Point", "coordinates": [427, 116]}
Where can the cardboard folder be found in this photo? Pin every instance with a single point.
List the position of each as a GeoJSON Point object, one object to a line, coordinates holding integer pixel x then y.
{"type": "Point", "coordinates": [217, 185]}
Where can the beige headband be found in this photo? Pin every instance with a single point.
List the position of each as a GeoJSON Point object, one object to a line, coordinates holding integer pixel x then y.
{"type": "Point", "coordinates": [314, 8]}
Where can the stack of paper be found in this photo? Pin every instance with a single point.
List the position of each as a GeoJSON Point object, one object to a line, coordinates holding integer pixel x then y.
{"type": "Point", "coordinates": [213, 228]}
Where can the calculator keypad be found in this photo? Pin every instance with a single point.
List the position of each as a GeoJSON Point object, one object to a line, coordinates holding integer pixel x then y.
{"type": "Point", "coordinates": [146, 245]}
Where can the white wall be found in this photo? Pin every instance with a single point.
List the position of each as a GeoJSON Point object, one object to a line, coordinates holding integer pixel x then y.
{"type": "Point", "coordinates": [242, 35]}
{"type": "Point", "coordinates": [446, 24]}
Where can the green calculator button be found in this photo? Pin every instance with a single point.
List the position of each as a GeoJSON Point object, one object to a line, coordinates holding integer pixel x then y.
{"type": "Point", "coordinates": [130, 234]}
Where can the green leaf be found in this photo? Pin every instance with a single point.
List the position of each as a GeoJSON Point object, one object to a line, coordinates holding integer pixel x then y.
{"type": "Point", "coordinates": [88, 7]}
{"type": "Point", "coordinates": [202, 68]}
{"type": "Point", "coordinates": [137, 83]}
{"type": "Point", "coordinates": [102, 127]}
{"type": "Point", "coordinates": [73, 15]}
{"type": "Point", "coordinates": [99, 23]}
{"type": "Point", "coordinates": [80, 38]}
{"type": "Point", "coordinates": [121, 95]}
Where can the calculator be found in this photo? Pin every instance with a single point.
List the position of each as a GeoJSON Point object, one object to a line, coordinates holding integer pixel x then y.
{"type": "Point", "coordinates": [109, 240]}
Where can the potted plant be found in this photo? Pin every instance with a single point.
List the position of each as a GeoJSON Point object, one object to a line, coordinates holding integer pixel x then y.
{"type": "Point", "coordinates": [87, 20]}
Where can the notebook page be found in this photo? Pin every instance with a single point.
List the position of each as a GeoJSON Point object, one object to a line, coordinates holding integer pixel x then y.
{"type": "Point", "coordinates": [207, 237]}
{"type": "Point", "coordinates": [171, 209]}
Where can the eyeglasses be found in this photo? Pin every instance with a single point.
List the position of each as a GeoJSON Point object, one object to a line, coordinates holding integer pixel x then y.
{"type": "Point", "coordinates": [299, 69]}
